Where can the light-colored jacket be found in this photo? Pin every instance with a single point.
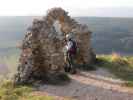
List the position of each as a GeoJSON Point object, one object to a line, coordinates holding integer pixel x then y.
{"type": "Point", "coordinates": [69, 45]}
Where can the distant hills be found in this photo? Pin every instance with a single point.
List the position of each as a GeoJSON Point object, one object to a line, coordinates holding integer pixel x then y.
{"type": "Point", "coordinates": [109, 34]}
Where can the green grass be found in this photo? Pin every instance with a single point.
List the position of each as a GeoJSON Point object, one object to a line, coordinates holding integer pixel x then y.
{"type": "Point", "coordinates": [9, 92]}
{"type": "Point", "coordinates": [121, 67]}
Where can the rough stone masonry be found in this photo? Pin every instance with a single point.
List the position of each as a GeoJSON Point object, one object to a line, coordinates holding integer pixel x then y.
{"type": "Point", "coordinates": [42, 46]}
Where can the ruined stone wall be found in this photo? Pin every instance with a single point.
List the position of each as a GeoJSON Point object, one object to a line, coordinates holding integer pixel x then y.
{"type": "Point", "coordinates": [42, 47]}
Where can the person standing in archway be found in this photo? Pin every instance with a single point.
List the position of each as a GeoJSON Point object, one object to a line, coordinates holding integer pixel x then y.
{"type": "Point", "coordinates": [71, 51]}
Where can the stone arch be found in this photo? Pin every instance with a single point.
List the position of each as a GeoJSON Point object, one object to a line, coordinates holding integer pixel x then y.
{"type": "Point", "coordinates": [42, 46]}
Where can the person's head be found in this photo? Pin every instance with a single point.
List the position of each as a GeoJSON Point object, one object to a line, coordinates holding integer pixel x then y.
{"type": "Point", "coordinates": [69, 36]}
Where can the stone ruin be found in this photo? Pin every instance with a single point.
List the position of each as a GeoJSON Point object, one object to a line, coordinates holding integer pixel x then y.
{"type": "Point", "coordinates": [42, 47]}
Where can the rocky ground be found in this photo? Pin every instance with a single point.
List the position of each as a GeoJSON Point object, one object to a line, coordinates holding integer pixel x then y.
{"type": "Point", "coordinates": [93, 85]}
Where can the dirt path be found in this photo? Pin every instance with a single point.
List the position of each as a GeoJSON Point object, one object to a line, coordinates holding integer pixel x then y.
{"type": "Point", "coordinates": [93, 85]}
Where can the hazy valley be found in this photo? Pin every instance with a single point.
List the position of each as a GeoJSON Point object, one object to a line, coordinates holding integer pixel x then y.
{"type": "Point", "coordinates": [108, 34]}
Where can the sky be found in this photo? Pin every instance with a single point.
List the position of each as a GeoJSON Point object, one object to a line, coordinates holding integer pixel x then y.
{"type": "Point", "coordinates": [101, 8]}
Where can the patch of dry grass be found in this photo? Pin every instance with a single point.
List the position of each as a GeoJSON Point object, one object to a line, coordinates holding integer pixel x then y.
{"type": "Point", "coordinates": [9, 92]}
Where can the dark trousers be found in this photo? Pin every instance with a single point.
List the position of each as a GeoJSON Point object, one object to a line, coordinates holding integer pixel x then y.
{"type": "Point", "coordinates": [70, 65]}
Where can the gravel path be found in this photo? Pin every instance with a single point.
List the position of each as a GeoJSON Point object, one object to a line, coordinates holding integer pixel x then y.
{"type": "Point", "coordinates": [93, 85]}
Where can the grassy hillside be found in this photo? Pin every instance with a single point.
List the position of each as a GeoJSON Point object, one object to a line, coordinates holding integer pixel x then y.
{"type": "Point", "coordinates": [120, 66]}
{"type": "Point", "coordinates": [9, 92]}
